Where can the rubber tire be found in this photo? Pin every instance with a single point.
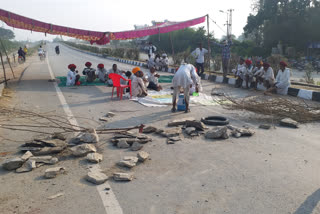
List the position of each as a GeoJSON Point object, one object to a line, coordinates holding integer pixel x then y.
{"type": "Point", "coordinates": [215, 121]}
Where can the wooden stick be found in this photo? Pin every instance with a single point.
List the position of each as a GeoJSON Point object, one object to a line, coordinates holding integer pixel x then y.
{"type": "Point", "coordinates": [4, 70]}
{"type": "Point", "coordinates": [7, 58]}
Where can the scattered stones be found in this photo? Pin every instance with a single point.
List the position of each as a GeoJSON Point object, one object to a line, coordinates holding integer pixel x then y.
{"type": "Point", "coordinates": [58, 136]}
{"type": "Point", "coordinates": [54, 143]}
{"type": "Point", "coordinates": [265, 126]}
{"type": "Point", "coordinates": [56, 196]}
{"type": "Point", "coordinates": [217, 133]}
{"type": "Point", "coordinates": [136, 146]}
{"type": "Point", "coordinates": [45, 159]}
{"type": "Point", "coordinates": [149, 129]}
{"type": "Point", "coordinates": [12, 163]}
{"type": "Point", "coordinates": [122, 176]}
{"type": "Point", "coordinates": [85, 137]}
{"type": "Point", "coordinates": [26, 156]}
{"type": "Point", "coordinates": [96, 177]}
{"type": "Point", "coordinates": [159, 131]}
{"type": "Point", "coordinates": [172, 132]}
{"type": "Point", "coordinates": [28, 166]}
{"type": "Point", "coordinates": [94, 157]}
{"type": "Point", "coordinates": [122, 144]}
{"type": "Point", "coordinates": [31, 149]}
{"type": "Point", "coordinates": [110, 114]}
{"type": "Point", "coordinates": [82, 150]}
{"type": "Point", "coordinates": [54, 172]}
{"type": "Point", "coordinates": [104, 119]}
{"type": "Point", "coordinates": [288, 122]}
{"type": "Point", "coordinates": [143, 156]}
{"type": "Point", "coordinates": [180, 122]}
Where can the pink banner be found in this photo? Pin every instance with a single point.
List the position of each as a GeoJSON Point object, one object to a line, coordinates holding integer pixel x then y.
{"type": "Point", "coordinates": [101, 38]}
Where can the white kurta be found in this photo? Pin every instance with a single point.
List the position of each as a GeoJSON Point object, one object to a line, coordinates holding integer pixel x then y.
{"type": "Point", "coordinates": [198, 81]}
{"type": "Point", "coordinates": [268, 75]}
{"type": "Point", "coordinates": [152, 78]}
{"type": "Point", "coordinates": [283, 81]}
{"type": "Point", "coordinates": [101, 73]}
{"type": "Point", "coordinates": [138, 86]}
{"type": "Point", "coordinates": [184, 77]}
{"type": "Point", "coordinates": [71, 78]}
{"type": "Point", "coordinates": [199, 54]}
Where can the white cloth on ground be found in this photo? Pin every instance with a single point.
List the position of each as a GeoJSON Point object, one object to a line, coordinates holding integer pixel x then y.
{"type": "Point", "coordinates": [283, 81]}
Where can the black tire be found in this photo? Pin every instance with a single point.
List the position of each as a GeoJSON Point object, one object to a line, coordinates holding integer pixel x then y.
{"type": "Point", "coordinates": [215, 121]}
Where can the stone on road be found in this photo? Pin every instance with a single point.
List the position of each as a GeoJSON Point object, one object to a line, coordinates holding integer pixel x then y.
{"type": "Point", "coordinates": [54, 172]}
{"type": "Point", "coordinates": [96, 177]}
{"type": "Point", "coordinates": [94, 157]}
{"type": "Point", "coordinates": [217, 133]}
{"type": "Point", "coordinates": [12, 163]}
{"type": "Point", "coordinates": [136, 146]}
{"type": "Point", "coordinates": [143, 156]}
{"type": "Point", "coordinates": [288, 122]}
{"type": "Point", "coordinates": [83, 150]}
{"type": "Point", "coordinates": [26, 156]}
{"type": "Point", "coordinates": [119, 176]}
{"type": "Point", "coordinates": [28, 166]}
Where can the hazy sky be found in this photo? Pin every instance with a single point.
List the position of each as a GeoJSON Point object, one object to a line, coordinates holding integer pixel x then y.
{"type": "Point", "coordinates": [120, 15]}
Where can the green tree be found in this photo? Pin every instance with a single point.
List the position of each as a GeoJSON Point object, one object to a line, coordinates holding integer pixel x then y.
{"type": "Point", "coordinates": [6, 34]}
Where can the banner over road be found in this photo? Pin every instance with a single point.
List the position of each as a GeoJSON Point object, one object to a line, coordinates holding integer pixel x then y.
{"type": "Point", "coordinates": [101, 38]}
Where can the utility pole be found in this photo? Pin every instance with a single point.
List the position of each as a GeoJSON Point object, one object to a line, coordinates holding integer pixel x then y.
{"type": "Point", "coordinates": [230, 22]}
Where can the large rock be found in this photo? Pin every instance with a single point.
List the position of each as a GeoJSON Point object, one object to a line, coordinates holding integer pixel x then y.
{"type": "Point", "coordinates": [52, 142]}
{"type": "Point", "coordinates": [128, 161]}
{"type": "Point", "coordinates": [173, 140]}
{"type": "Point", "coordinates": [136, 146]}
{"type": "Point", "coordinates": [96, 177]}
{"type": "Point", "coordinates": [217, 133]}
{"type": "Point", "coordinates": [180, 122]}
{"type": "Point", "coordinates": [196, 124]}
{"type": "Point", "coordinates": [122, 144]}
{"type": "Point", "coordinates": [58, 136]}
{"type": "Point", "coordinates": [172, 132]}
{"type": "Point", "coordinates": [149, 129]}
{"type": "Point", "coordinates": [240, 132]}
{"type": "Point", "coordinates": [45, 159]}
{"type": "Point", "coordinates": [288, 122]}
{"type": "Point", "coordinates": [83, 150]}
{"type": "Point", "coordinates": [28, 166]}
{"type": "Point", "coordinates": [49, 151]}
{"type": "Point", "coordinates": [30, 148]}
{"type": "Point", "coordinates": [143, 156]}
{"type": "Point", "coordinates": [85, 137]}
{"type": "Point", "coordinates": [191, 130]}
{"type": "Point", "coordinates": [26, 156]}
{"type": "Point", "coordinates": [110, 114]}
{"type": "Point", "coordinates": [94, 157]}
{"type": "Point", "coordinates": [12, 163]}
{"type": "Point", "coordinates": [265, 126]}
{"type": "Point", "coordinates": [119, 176]}
{"type": "Point", "coordinates": [54, 172]}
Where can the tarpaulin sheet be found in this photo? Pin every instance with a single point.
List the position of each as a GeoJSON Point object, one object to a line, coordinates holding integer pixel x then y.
{"type": "Point", "coordinates": [101, 38]}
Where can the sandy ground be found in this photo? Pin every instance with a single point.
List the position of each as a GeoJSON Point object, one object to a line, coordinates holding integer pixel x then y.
{"type": "Point", "coordinates": [275, 171]}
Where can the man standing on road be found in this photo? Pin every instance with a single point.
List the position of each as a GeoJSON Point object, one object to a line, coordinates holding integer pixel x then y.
{"type": "Point", "coordinates": [199, 53]}
{"type": "Point", "coordinates": [226, 49]}
{"type": "Point", "coordinates": [151, 50]}
{"type": "Point", "coordinates": [183, 78]}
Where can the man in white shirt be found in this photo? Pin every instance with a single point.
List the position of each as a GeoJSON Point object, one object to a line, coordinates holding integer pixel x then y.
{"type": "Point", "coordinates": [72, 76]}
{"type": "Point", "coordinates": [239, 72]}
{"type": "Point", "coordinates": [115, 70]}
{"type": "Point", "coordinates": [199, 53]}
{"type": "Point", "coordinates": [282, 80]}
{"type": "Point", "coordinates": [268, 75]}
{"type": "Point", "coordinates": [138, 87]}
{"type": "Point", "coordinates": [257, 73]}
{"type": "Point", "coordinates": [164, 62]}
{"type": "Point", "coordinates": [183, 78]}
{"type": "Point", "coordinates": [102, 73]}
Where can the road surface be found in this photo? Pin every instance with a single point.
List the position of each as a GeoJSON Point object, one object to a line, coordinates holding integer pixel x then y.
{"type": "Point", "coordinates": [275, 171]}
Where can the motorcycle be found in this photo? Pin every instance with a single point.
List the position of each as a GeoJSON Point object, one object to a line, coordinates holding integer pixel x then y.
{"type": "Point", "coordinates": [42, 56]}
{"type": "Point", "coordinates": [20, 60]}
{"type": "Point", "coordinates": [57, 52]}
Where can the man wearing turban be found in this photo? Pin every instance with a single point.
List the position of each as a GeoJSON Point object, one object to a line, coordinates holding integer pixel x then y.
{"type": "Point", "coordinates": [282, 80]}
{"type": "Point", "coordinates": [138, 87]}
{"type": "Point", "coordinates": [89, 72]}
{"type": "Point", "coordinates": [73, 76]}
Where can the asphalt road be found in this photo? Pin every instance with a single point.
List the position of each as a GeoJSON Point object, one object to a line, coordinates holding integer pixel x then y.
{"type": "Point", "coordinates": [275, 171]}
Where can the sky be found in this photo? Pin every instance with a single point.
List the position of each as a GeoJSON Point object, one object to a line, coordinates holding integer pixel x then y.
{"type": "Point", "coordinates": [121, 15]}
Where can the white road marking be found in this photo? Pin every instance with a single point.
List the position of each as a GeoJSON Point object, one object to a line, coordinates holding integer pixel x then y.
{"type": "Point", "coordinates": [109, 200]}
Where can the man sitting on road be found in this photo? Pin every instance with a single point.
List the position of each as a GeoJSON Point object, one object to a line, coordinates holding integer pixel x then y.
{"type": "Point", "coordinates": [183, 78]}
{"type": "Point", "coordinates": [115, 70]}
{"type": "Point", "coordinates": [247, 76]}
{"type": "Point", "coordinates": [138, 87]}
{"type": "Point", "coordinates": [89, 72]}
{"type": "Point", "coordinates": [164, 62]}
{"type": "Point", "coordinates": [153, 80]}
{"type": "Point", "coordinates": [73, 76]}
{"type": "Point", "coordinates": [102, 73]}
{"type": "Point", "coordinates": [257, 73]}
{"type": "Point", "coordinates": [238, 72]}
{"type": "Point", "coordinates": [282, 80]}
{"type": "Point", "coordinates": [268, 75]}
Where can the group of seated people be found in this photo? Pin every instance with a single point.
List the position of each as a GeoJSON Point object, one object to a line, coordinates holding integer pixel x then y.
{"type": "Point", "coordinates": [140, 82]}
{"type": "Point", "coordinates": [159, 62]}
{"type": "Point", "coordinates": [262, 73]}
